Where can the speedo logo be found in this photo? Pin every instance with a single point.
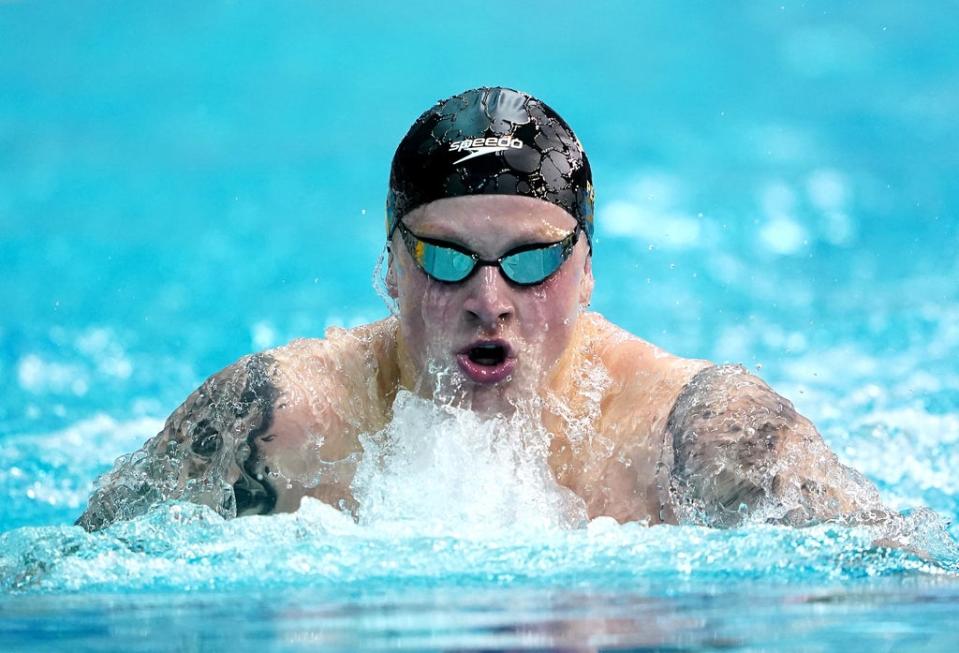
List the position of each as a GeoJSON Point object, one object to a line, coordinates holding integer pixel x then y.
{"type": "Point", "coordinates": [480, 146]}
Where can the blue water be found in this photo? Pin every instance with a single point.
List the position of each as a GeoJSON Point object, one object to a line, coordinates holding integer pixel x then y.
{"type": "Point", "coordinates": [181, 185]}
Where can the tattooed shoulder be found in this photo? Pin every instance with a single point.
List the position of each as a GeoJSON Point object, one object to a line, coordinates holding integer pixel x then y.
{"type": "Point", "coordinates": [736, 448]}
{"type": "Point", "coordinates": [208, 451]}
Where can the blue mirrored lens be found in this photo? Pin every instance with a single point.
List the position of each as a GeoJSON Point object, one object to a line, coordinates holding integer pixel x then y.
{"type": "Point", "coordinates": [534, 265]}
{"type": "Point", "coordinates": [443, 263]}
{"type": "Point", "coordinates": [449, 264]}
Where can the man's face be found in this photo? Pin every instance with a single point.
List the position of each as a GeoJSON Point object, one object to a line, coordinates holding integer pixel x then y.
{"type": "Point", "coordinates": [486, 342]}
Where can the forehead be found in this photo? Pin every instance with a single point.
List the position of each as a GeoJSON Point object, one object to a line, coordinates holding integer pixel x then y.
{"type": "Point", "coordinates": [491, 219]}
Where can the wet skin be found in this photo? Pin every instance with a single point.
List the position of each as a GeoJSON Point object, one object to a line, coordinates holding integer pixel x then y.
{"type": "Point", "coordinates": [551, 338]}
{"type": "Point", "coordinates": [438, 320]}
{"type": "Point", "coordinates": [669, 439]}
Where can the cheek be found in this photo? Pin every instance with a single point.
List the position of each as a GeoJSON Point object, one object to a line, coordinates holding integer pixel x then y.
{"type": "Point", "coordinates": [551, 311]}
{"type": "Point", "coordinates": [427, 308]}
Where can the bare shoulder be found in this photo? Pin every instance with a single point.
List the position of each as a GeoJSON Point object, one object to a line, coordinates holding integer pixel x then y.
{"type": "Point", "coordinates": [735, 447]}
{"type": "Point", "coordinates": [645, 380]}
{"type": "Point", "coordinates": [331, 390]}
{"type": "Point", "coordinates": [207, 451]}
{"type": "Point", "coordinates": [244, 441]}
{"type": "Point", "coordinates": [343, 379]}
{"type": "Point", "coordinates": [620, 475]}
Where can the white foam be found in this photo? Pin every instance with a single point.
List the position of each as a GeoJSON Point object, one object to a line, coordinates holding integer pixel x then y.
{"type": "Point", "coordinates": [910, 451]}
{"type": "Point", "coordinates": [438, 469]}
{"type": "Point", "coordinates": [56, 468]}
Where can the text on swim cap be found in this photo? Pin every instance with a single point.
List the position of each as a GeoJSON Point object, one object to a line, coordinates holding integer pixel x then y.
{"type": "Point", "coordinates": [492, 141]}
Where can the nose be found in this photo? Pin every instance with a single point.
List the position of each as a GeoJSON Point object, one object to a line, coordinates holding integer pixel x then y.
{"type": "Point", "coordinates": [488, 300]}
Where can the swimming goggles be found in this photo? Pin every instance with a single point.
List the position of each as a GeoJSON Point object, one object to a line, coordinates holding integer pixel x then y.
{"type": "Point", "coordinates": [527, 265]}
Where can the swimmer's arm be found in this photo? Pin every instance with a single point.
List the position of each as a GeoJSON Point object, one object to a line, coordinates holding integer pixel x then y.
{"type": "Point", "coordinates": [208, 452]}
{"type": "Point", "coordinates": [739, 450]}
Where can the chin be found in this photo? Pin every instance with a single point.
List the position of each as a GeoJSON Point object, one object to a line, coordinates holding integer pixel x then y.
{"type": "Point", "coordinates": [490, 401]}
{"type": "Point", "coordinates": [487, 399]}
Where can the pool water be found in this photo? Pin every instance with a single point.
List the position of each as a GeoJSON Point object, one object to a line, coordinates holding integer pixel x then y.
{"type": "Point", "coordinates": [776, 186]}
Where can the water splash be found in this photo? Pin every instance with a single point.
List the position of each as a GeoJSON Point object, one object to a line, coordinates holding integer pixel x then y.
{"type": "Point", "coordinates": [441, 469]}
{"type": "Point", "coordinates": [186, 547]}
{"type": "Point", "coordinates": [380, 286]}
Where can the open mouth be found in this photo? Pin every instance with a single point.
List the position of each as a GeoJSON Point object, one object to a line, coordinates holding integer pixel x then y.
{"type": "Point", "coordinates": [487, 354]}
{"type": "Point", "coordinates": [488, 361]}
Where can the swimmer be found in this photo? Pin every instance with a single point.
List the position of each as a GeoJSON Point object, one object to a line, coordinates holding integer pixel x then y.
{"type": "Point", "coordinates": [489, 231]}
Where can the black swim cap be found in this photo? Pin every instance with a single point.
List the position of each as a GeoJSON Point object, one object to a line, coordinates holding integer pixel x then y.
{"type": "Point", "coordinates": [491, 141]}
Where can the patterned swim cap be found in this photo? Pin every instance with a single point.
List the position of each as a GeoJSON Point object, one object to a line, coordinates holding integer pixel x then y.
{"type": "Point", "coordinates": [490, 141]}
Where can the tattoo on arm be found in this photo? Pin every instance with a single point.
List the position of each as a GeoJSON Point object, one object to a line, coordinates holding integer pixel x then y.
{"type": "Point", "coordinates": [253, 493]}
{"type": "Point", "coordinates": [739, 449]}
{"type": "Point", "coordinates": [206, 453]}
